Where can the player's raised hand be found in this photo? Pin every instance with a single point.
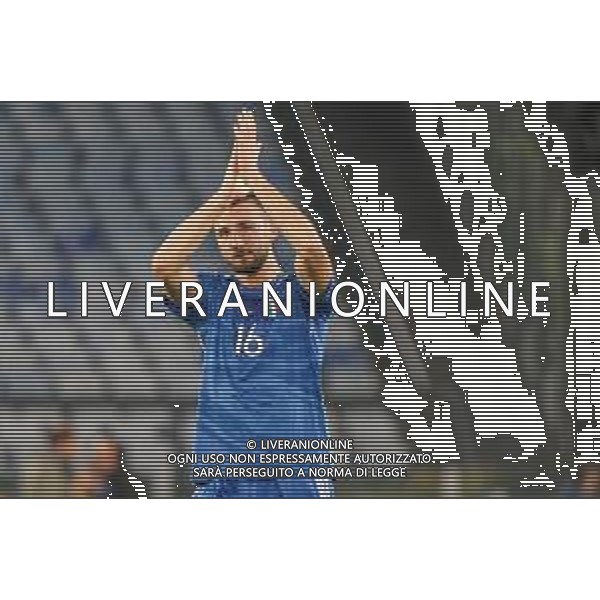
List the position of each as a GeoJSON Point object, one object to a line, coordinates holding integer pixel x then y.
{"type": "Point", "coordinates": [239, 158]}
{"type": "Point", "coordinates": [246, 146]}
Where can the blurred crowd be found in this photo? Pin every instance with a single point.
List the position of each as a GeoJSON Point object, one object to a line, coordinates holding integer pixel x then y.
{"type": "Point", "coordinates": [62, 472]}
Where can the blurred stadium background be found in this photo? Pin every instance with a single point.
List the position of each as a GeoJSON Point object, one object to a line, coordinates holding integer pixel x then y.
{"type": "Point", "coordinates": [87, 192]}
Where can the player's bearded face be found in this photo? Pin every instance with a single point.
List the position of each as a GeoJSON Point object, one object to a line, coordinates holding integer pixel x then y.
{"type": "Point", "coordinates": [245, 238]}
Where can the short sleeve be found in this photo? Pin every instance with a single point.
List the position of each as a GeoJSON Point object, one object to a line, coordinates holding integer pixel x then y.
{"type": "Point", "coordinates": [323, 307]}
{"type": "Point", "coordinates": [192, 317]}
{"type": "Point", "coordinates": [210, 283]}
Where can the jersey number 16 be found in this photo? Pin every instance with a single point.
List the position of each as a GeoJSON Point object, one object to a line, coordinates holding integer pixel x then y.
{"type": "Point", "coordinates": [247, 342]}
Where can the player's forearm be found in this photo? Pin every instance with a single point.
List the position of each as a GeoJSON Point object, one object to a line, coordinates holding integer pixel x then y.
{"type": "Point", "coordinates": [299, 230]}
{"type": "Point", "coordinates": [177, 249]}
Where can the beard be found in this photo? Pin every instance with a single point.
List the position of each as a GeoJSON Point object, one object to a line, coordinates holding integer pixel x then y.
{"type": "Point", "coordinates": [249, 263]}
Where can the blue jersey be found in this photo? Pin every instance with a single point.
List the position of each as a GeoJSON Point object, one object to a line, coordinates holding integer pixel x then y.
{"type": "Point", "coordinates": [262, 374]}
